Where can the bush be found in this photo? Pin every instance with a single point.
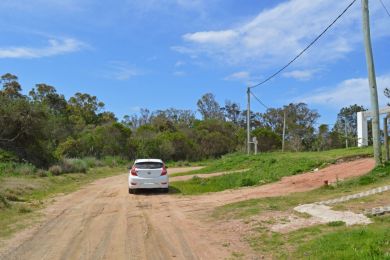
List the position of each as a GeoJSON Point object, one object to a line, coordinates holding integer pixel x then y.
{"type": "Point", "coordinates": [25, 169]}
{"type": "Point", "coordinates": [113, 161]}
{"type": "Point", "coordinates": [73, 166]}
{"type": "Point", "coordinates": [6, 156]}
{"type": "Point", "coordinates": [42, 173]}
{"type": "Point", "coordinates": [92, 162]}
{"type": "Point", "coordinates": [55, 170]}
{"type": "Point", "coordinates": [247, 182]}
{"type": "Point", "coordinates": [3, 202]}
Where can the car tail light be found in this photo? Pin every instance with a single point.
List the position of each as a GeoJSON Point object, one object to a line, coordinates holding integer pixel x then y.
{"type": "Point", "coordinates": [164, 171]}
{"type": "Point", "coordinates": [133, 171]}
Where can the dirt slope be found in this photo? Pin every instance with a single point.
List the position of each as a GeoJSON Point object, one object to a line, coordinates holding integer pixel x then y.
{"type": "Point", "coordinates": [102, 221]}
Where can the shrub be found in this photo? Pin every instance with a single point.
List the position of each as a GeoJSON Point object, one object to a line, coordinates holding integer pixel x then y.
{"type": "Point", "coordinates": [113, 161]}
{"type": "Point", "coordinates": [92, 162]}
{"type": "Point", "coordinates": [25, 169]}
{"type": "Point", "coordinates": [55, 170]}
{"type": "Point", "coordinates": [6, 156]}
{"type": "Point", "coordinates": [74, 166]}
{"type": "Point", "coordinates": [247, 182]}
{"type": "Point", "coordinates": [42, 173]}
{"type": "Point", "coordinates": [24, 210]}
{"type": "Point", "coordinates": [3, 202]}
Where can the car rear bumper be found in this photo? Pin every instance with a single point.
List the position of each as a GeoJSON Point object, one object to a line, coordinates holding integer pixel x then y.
{"type": "Point", "coordinates": [161, 182]}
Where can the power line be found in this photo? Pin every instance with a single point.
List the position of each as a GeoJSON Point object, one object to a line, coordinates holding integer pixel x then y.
{"type": "Point", "coordinates": [307, 47]}
{"type": "Point", "coordinates": [384, 6]}
{"type": "Point", "coordinates": [258, 99]}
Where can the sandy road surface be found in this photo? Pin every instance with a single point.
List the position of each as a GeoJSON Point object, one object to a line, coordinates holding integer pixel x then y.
{"type": "Point", "coordinates": [204, 175]}
{"type": "Point", "coordinates": [102, 221]}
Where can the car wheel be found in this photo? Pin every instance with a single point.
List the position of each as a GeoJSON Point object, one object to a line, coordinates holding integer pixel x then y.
{"type": "Point", "coordinates": [166, 190]}
{"type": "Point", "coordinates": [131, 191]}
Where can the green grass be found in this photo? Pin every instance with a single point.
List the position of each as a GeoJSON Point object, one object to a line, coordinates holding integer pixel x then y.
{"type": "Point", "coordinates": [361, 242]}
{"type": "Point", "coordinates": [239, 161]}
{"type": "Point", "coordinates": [330, 241]}
{"type": "Point", "coordinates": [263, 168]}
{"type": "Point", "coordinates": [22, 196]}
{"type": "Point", "coordinates": [380, 176]}
{"type": "Point", "coordinates": [325, 241]}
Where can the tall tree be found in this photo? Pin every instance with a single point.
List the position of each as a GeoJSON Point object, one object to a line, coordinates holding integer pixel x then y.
{"type": "Point", "coordinates": [346, 123]}
{"type": "Point", "coordinates": [209, 107]}
{"type": "Point", "coordinates": [232, 111]}
{"type": "Point", "coordinates": [11, 86]}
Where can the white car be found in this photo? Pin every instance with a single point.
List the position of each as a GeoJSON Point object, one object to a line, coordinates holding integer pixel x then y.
{"type": "Point", "coordinates": [148, 174]}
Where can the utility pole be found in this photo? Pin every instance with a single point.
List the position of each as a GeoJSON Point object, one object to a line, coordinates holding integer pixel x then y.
{"type": "Point", "coordinates": [248, 122]}
{"type": "Point", "coordinates": [345, 131]}
{"type": "Point", "coordinates": [386, 139]}
{"type": "Point", "coordinates": [372, 83]}
{"type": "Point", "coordinates": [284, 128]}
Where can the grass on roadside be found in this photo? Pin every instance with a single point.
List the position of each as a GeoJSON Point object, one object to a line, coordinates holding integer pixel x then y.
{"type": "Point", "coordinates": [331, 241]}
{"type": "Point", "coordinates": [380, 176]}
{"type": "Point", "coordinates": [325, 241]}
{"type": "Point", "coordinates": [238, 161]}
{"type": "Point", "coordinates": [22, 196]}
{"type": "Point", "coordinates": [263, 168]}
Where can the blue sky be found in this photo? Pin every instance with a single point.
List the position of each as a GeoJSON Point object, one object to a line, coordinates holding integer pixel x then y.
{"type": "Point", "coordinates": [167, 53]}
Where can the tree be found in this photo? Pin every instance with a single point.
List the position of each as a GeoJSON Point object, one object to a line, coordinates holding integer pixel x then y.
{"type": "Point", "coordinates": [232, 111]}
{"type": "Point", "coordinates": [84, 107]}
{"type": "Point", "coordinates": [323, 140]}
{"type": "Point", "coordinates": [11, 86]}
{"type": "Point", "coordinates": [209, 107]}
{"type": "Point", "coordinates": [47, 95]}
{"type": "Point", "coordinates": [267, 139]}
{"type": "Point", "coordinates": [300, 122]}
{"type": "Point", "coordinates": [346, 123]}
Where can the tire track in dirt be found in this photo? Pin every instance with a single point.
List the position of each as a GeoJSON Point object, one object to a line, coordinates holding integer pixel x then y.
{"type": "Point", "coordinates": [102, 221]}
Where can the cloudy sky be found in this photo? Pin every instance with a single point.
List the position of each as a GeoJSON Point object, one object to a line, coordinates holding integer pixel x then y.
{"type": "Point", "coordinates": [167, 53]}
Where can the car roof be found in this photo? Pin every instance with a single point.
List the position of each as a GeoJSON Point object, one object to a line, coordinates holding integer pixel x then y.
{"type": "Point", "coordinates": [148, 160]}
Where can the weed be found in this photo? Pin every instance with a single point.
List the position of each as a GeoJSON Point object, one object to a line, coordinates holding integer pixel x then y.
{"type": "Point", "coordinates": [336, 223]}
{"type": "Point", "coordinates": [24, 210]}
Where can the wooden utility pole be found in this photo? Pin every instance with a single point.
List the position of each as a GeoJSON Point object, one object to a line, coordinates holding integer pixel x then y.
{"type": "Point", "coordinates": [372, 83]}
{"type": "Point", "coordinates": [346, 132]}
{"type": "Point", "coordinates": [386, 139]}
{"type": "Point", "coordinates": [284, 128]}
{"type": "Point", "coordinates": [248, 122]}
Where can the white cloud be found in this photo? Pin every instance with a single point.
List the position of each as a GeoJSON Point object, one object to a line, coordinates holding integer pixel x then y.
{"type": "Point", "coordinates": [348, 92]}
{"type": "Point", "coordinates": [54, 47]}
{"type": "Point", "coordinates": [300, 74]}
{"type": "Point", "coordinates": [275, 35]}
{"type": "Point", "coordinates": [213, 37]}
{"type": "Point", "coordinates": [120, 70]}
{"type": "Point", "coordinates": [240, 75]}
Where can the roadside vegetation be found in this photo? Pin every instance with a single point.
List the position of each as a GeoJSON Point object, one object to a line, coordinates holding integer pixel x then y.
{"type": "Point", "coordinates": [262, 168]}
{"type": "Point", "coordinates": [21, 194]}
{"type": "Point", "coordinates": [44, 128]}
{"type": "Point", "coordinates": [333, 240]}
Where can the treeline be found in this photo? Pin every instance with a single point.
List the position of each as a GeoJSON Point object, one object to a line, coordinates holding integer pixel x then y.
{"type": "Point", "coordinates": [44, 127]}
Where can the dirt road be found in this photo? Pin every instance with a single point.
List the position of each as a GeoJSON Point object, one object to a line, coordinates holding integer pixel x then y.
{"type": "Point", "coordinates": [102, 221]}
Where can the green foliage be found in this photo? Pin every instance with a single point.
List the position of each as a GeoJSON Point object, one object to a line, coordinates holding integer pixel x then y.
{"type": "Point", "coordinates": [55, 169]}
{"type": "Point", "coordinates": [43, 128]}
{"type": "Point", "coordinates": [6, 157]}
{"type": "Point", "coordinates": [267, 139]}
{"type": "Point", "coordinates": [73, 165]}
{"type": "Point", "coordinates": [371, 242]}
{"type": "Point", "coordinates": [262, 168]}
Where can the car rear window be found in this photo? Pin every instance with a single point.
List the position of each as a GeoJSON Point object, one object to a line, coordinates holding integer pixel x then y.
{"type": "Point", "coordinates": [148, 165]}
